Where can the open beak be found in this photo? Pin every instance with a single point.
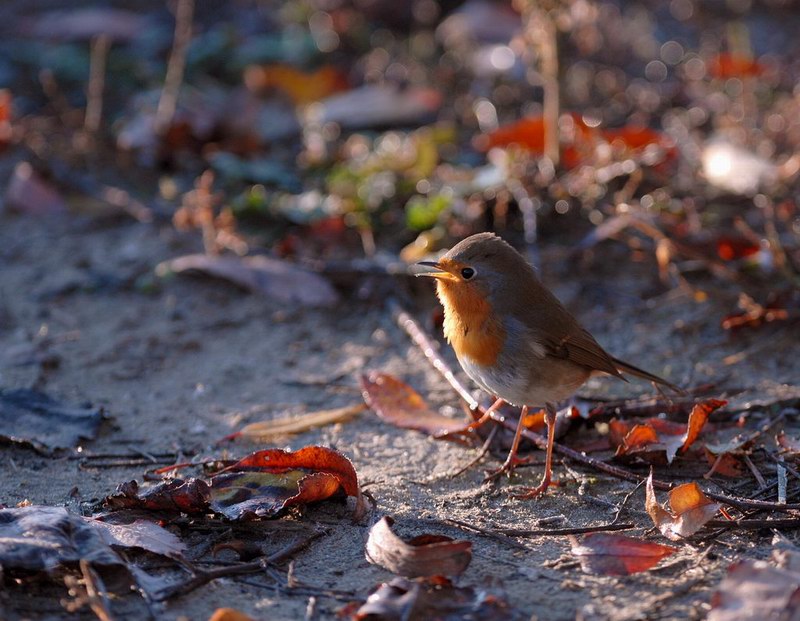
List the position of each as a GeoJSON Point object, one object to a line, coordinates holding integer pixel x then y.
{"type": "Point", "coordinates": [436, 270]}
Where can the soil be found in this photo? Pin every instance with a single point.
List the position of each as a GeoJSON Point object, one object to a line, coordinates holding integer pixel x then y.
{"type": "Point", "coordinates": [178, 364]}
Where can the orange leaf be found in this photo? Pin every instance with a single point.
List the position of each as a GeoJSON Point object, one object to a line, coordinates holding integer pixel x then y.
{"type": "Point", "coordinates": [535, 421]}
{"type": "Point", "coordinates": [397, 403]}
{"type": "Point", "coordinates": [727, 65]}
{"type": "Point", "coordinates": [636, 138]}
{"type": "Point", "coordinates": [617, 555]}
{"type": "Point", "coordinates": [689, 510]}
{"type": "Point", "coordinates": [697, 419]}
{"type": "Point", "coordinates": [229, 614]}
{"type": "Point", "coordinates": [426, 555]}
{"type": "Point", "coordinates": [301, 86]}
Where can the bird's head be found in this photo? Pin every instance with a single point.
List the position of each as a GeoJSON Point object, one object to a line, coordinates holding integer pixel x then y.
{"type": "Point", "coordinates": [481, 265]}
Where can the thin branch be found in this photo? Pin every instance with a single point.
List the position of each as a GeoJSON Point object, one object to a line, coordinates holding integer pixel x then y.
{"type": "Point", "coordinates": [168, 103]}
{"type": "Point", "coordinates": [97, 79]}
{"type": "Point", "coordinates": [96, 594]}
{"type": "Point", "coordinates": [579, 530]}
{"type": "Point", "coordinates": [204, 576]}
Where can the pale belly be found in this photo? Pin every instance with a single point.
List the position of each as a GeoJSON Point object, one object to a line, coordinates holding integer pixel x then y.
{"type": "Point", "coordinates": [536, 382]}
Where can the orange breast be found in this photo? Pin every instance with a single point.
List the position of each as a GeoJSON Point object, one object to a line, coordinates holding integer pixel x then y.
{"type": "Point", "coordinates": [469, 324]}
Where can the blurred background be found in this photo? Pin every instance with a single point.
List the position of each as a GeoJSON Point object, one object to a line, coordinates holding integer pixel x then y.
{"type": "Point", "coordinates": [330, 132]}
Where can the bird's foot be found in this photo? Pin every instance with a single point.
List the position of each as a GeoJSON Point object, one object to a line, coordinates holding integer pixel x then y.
{"type": "Point", "coordinates": [465, 430]}
{"type": "Point", "coordinates": [511, 462]}
{"type": "Point", "coordinates": [529, 493]}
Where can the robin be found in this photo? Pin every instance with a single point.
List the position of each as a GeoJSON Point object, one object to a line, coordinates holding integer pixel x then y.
{"type": "Point", "coordinates": [515, 339]}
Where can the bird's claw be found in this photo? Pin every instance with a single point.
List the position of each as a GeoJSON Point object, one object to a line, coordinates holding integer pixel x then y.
{"type": "Point", "coordinates": [530, 493]}
{"type": "Point", "coordinates": [507, 467]}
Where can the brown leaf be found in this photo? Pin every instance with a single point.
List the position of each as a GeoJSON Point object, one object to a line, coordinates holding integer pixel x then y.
{"type": "Point", "coordinates": [397, 403]}
{"type": "Point", "coordinates": [690, 510]}
{"type": "Point", "coordinates": [176, 495]}
{"type": "Point", "coordinates": [139, 534]}
{"type": "Point", "coordinates": [426, 555]}
{"type": "Point", "coordinates": [276, 279]}
{"type": "Point", "coordinates": [755, 590]}
{"type": "Point", "coordinates": [268, 430]}
{"type": "Point", "coordinates": [726, 464]}
{"type": "Point", "coordinates": [435, 598]}
{"type": "Point", "coordinates": [617, 555]}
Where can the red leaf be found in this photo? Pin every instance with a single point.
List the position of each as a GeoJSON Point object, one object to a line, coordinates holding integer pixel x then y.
{"type": "Point", "coordinates": [399, 404]}
{"type": "Point", "coordinates": [617, 555]}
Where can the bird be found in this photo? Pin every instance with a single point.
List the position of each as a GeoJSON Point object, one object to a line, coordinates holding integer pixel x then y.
{"type": "Point", "coordinates": [515, 339]}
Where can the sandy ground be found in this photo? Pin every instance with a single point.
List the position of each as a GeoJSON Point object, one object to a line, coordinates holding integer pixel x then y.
{"type": "Point", "coordinates": [180, 365]}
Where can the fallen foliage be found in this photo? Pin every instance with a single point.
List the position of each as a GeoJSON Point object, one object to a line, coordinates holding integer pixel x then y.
{"type": "Point", "coordinates": [400, 405]}
{"type": "Point", "coordinates": [423, 556]}
{"type": "Point", "coordinates": [689, 510]}
{"type": "Point", "coordinates": [617, 555]}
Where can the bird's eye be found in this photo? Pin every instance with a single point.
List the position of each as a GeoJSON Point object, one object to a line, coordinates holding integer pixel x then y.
{"type": "Point", "coordinates": [467, 273]}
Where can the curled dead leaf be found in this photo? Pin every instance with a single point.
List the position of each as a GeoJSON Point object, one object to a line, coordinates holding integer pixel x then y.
{"type": "Point", "coordinates": [426, 555]}
{"type": "Point", "coordinates": [617, 555]}
{"type": "Point", "coordinates": [397, 403]}
{"type": "Point", "coordinates": [689, 510]}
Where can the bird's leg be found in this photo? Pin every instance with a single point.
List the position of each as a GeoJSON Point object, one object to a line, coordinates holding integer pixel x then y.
{"type": "Point", "coordinates": [535, 492]}
{"type": "Point", "coordinates": [487, 416]}
{"type": "Point", "coordinates": [512, 461]}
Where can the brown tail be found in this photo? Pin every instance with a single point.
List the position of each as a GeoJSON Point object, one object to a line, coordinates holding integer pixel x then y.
{"type": "Point", "coordinates": [637, 372]}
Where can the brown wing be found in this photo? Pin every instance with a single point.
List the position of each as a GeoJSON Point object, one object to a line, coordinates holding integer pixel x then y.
{"type": "Point", "coordinates": [554, 327]}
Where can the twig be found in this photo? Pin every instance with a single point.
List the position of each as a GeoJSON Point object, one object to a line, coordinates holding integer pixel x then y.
{"type": "Point", "coordinates": [625, 501]}
{"type": "Point", "coordinates": [484, 449]}
{"type": "Point", "coordinates": [580, 530]}
{"type": "Point", "coordinates": [96, 594]}
{"type": "Point", "coordinates": [752, 524]}
{"type": "Point", "coordinates": [423, 341]}
{"type": "Point", "coordinates": [204, 576]}
{"type": "Point", "coordinates": [504, 539]}
{"type": "Point", "coordinates": [97, 79]}
{"type": "Point", "coordinates": [168, 103]}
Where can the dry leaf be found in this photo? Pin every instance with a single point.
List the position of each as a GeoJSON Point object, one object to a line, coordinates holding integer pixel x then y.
{"type": "Point", "coordinates": [276, 279]}
{"type": "Point", "coordinates": [139, 534]}
{"type": "Point", "coordinates": [756, 590]}
{"type": "Point", "coordinates": [426, 555]}
{"type": "Point", "coordinates": [301, 86]}
{"type": "Point", "coordinates": [266, 482]}
{"type": "Point", "coordinates": [268, 430]}
{"type": "Point", "coordinates": [689, 510]}
{"type": "Point", "coordinates": [435, 598]}
{"type": "Point", "coordinates": [34, 418]}
{"type": "Point", "coordinates": [617, 555]}
{"type": "Point", "coordinates": [399, 404]}
{"type": "Point", "coordinates": [229, 614]}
